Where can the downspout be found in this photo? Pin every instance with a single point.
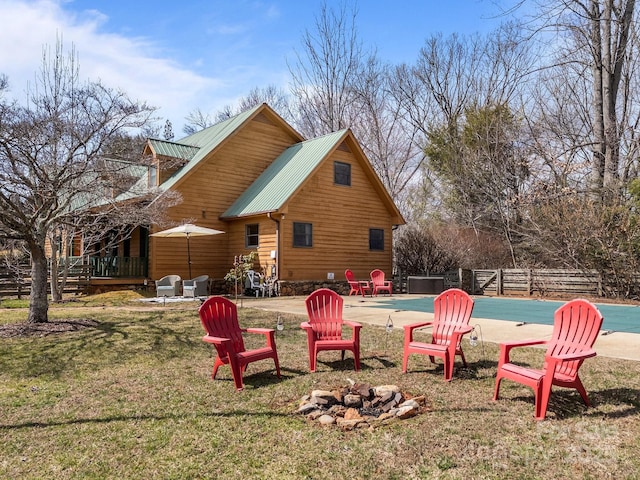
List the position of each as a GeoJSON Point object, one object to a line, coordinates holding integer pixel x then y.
{"type": "Point", "coordinates": [270, 217]}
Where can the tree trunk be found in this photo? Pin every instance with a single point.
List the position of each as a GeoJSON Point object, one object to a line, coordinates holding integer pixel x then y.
{"type": "Point", "coordinates": [599, 142]}
{"type": "Point", "coordinates": [38, 301]}
{"type": "Point", "coordinates": [56, 288]}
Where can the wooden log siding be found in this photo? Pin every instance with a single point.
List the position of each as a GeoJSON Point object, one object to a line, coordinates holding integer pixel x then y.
{"type": "Point", "coordinates": [341, 217]}
{"type": "Point", "coordinates": [211, 189]}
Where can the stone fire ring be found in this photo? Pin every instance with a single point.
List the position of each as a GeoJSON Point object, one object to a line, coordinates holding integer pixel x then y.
{"type": "Point", "coordinates": [360, 405]}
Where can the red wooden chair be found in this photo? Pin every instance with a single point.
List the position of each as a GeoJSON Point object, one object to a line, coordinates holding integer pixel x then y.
{"type": "Point", "coordinates": [324, 327]}
{"type": "Point", "coordinates": [379, 284]}
{"type": "Point", "coordinates": [219, 318]}
{"type": "Point", "coordinates": [451, 315]}
{"type": "Point", "coordinates": [356, 286]}
{"type": "Point", "coordinates": [575, 327]}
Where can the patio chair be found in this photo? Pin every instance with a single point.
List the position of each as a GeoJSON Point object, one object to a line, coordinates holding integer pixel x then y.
{"type": "Point", "coordinates": [324, 327]}
{"type": "Point", "coordinates": [451, 314]}
{"type": "Point", "coordinates": [356, 286]}
{"type": "Point", "coordinates": [576, 325]}
{"type": "Point", "coordinates": [219, 317]}
{"type": "Point", "coordinates": [168, 286]}
{"type": "Point", "coordinates": [379, 284]}
{"type": "Point", "coordinates": [197, 287]}
{"type": "Point", "coordinates": [255, 284]}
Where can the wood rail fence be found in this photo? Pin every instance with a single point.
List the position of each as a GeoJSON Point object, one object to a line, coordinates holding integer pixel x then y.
{"type": "Point", "coordinates": [522, 282]}
{"type": "Point", "coordinates": [16, 282]}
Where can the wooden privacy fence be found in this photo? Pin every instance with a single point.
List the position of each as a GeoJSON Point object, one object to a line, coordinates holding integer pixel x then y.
{"type": "Point", "coordinates": [519, 281]}
{"type": "Point", "coordinates": [515, 281]}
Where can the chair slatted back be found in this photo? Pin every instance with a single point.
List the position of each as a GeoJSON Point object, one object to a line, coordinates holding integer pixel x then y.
{"type": "Point", "coordinates": [350, 278]}
{"type": "Point", "coordinates": [377, 277]}
{"type": "Point", "coordinates": [451, 309]}
{"type": "Point", "coordinates": [219, 317]}
{"type": "Point", "coordinates": [324, 309]}
{"type": "Point", "coordinates": [576, 325]}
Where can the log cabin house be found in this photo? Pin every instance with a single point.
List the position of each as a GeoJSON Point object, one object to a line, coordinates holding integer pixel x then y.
{"type": "Point", "coordinates": [310, 208]}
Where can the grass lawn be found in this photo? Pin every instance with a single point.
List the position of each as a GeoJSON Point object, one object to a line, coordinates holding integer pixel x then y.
{"type": "Point", "coordinates": [130, 396]}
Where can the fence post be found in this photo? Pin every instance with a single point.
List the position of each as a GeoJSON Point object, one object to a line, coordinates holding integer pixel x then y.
{"type": "Point", "coordinates": [599, 284]}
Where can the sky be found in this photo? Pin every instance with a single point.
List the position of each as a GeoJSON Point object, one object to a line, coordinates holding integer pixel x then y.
{"type": "Point", "coordinates": [204, 54]}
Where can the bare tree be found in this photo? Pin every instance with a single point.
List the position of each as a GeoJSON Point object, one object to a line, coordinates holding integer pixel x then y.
{"type": "Point", "coordinates": [197, 120]}
{"type": "Point", "coordinates": [275, 97]}
{"type": "Point", "coordinates": [387, 139]}
{"type": "Point", "coordinates": [53, 177]}
{"type": "Point", "coordinates": [325, 72]}
{"type": "Point", "coordinates": [271, 94]}
{"type": "Point", "coordinates": [599, 35]}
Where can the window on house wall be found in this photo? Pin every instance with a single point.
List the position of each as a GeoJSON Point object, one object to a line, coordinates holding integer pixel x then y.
{"type": "Point", "coordinates": [251, 236]}
{"type": "Point", "coordinates": [376, 239]}
{"type": "Point", "coordinates": [302, 234]}
{"type": "Point", "coordinates": [153, 176]}
{"type": "Point", "coordinates": [342, 173]}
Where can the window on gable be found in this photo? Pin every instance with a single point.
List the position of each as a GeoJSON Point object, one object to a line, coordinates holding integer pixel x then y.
{"type": "Point", "coordinates": [251, 236]}
{"type": "Point", "coordinates": [302, 234]}
{"type": "Point", "coordinates": [342, 173]}
{"type": "Point", "coordinates": [376, 239]}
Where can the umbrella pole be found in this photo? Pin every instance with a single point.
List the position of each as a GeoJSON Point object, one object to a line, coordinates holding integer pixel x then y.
{"type": "Point", "coordinates": [189, 256]}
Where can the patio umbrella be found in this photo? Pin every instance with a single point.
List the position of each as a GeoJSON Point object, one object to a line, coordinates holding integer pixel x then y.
{"type": "Point", "coordinates": [187, 230]}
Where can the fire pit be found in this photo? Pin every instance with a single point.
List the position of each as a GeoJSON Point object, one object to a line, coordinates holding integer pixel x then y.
{"type": "Point", "coordinates": [360, 405]}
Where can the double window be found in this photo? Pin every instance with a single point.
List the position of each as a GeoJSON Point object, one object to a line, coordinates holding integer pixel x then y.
{"type": "Point", "coordinates": [302, 234]}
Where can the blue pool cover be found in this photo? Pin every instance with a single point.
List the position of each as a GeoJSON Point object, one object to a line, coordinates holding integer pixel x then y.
{"type": "Point", "coordinates": [617, 318]}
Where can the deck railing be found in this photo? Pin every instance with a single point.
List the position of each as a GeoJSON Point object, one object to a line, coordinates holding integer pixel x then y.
{"type": "Point", "coordinates": [118, 266]}
{"type": "Point", "coordinates": [112, 267]}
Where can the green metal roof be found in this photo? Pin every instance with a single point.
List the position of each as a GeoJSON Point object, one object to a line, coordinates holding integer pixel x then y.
{"type": "Point", "coordinates": [173, 149]}
{"type": "Point", "coordinates": [284, 176]}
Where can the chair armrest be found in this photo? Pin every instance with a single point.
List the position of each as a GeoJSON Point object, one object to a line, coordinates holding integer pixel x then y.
{"type": "Point", "coordinates": [413, 326]}
{"type": "Point", "coordinates": [463, 330]}
{"type": "Point", "coordinates": [269, 333]}
{"type": "Point", "coordinates": [505, 348]}
{"type": "Point", "coordinates": [262, 331]}
{"type": "Point", "coordinates": [355, 327]}
{"type": "Point", "coordinates": [408, 331]}
{"type": "Point", "coordinates": [305, 325]}
{"type": "Point", "coordinates": [188, 283]}
{"type": "Point", "coordinates": [216, 340]}
{"type": "Point", "coordinates": [565, 357]}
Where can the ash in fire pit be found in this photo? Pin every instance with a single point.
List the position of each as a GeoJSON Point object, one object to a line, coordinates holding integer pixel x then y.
{"type": "Point", "coordinates": [360, 405]}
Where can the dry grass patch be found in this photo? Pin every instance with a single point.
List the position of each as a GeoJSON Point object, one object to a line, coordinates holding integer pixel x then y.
{"type": "Point", "coordinates": [130, 396]}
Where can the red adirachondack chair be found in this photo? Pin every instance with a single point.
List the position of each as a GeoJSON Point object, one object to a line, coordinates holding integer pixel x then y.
{"type": "Point", "coordinates": [576, 325]}
{"type": "Point", "coordinates": [324, 328]}
{"type": "Point", "coordinates": [219, 318]}
{"type": "Point", "coordinates": [358, 287]}
{"type": "Point", "coordinates": [451, 314]}
{"type": "Point", "coordinates": [379, 284]}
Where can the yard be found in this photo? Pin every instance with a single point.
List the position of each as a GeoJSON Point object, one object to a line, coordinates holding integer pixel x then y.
{"type": "Point", "coordinates": [127, 393]}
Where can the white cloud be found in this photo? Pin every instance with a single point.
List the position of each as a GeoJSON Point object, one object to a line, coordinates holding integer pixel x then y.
{"type": "Point", "coordinates": [133, 64]}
